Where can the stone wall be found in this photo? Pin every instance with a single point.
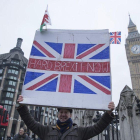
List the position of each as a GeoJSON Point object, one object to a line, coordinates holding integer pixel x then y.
{"type": "Point", "coordinates": [129, 115]}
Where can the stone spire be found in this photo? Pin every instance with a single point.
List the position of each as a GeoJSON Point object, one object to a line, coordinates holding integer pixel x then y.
{"type": "Point", "coordinates": [131, 24]}
{"type": "Point", "coordinates": [132, 30]}
{"type": "Point", "coordinates": [127, 96]}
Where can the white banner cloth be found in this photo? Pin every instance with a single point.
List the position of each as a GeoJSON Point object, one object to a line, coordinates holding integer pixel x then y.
{"type": "Point", "coordinates": [69, 68]}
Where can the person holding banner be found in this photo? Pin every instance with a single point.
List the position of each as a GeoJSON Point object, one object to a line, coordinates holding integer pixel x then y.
{"type": "Point", "coordinates": [65, 129]}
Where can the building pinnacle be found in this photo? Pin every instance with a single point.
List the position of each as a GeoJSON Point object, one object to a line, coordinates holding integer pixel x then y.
{"type": "Point", "coordinates": [131, 24]}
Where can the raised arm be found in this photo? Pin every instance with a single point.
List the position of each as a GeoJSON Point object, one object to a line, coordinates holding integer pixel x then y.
{"type": "Point", "coordinates": [91, 131]}
{"type": "Point", "coordinates": [111, 106]}
{"type": "Point", "coordinates": [34, 126]}
{"type": "Point", "coordinates": [20, 98]}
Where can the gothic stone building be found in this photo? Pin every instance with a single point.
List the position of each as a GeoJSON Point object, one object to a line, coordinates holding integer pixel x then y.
{"type": "Point", "coordinates": [132, 47]}
{"type": "Point", "coordinates": [12, 72]}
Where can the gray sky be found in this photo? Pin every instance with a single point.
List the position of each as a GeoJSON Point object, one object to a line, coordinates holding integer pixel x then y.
{"type": "Point", "coordinates": [20, 18]}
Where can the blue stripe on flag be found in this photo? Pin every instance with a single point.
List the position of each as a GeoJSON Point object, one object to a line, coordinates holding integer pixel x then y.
{"type": "Point", "coordinates": [102, 55]}
{"type": "Point", "coordinates": [119, 40]}
{"type": "Point", "coordinates": [119, 33]}
{"type": "Point", "coordinates": [36, 52]}
{"type": "Point", "coordinates": [104, 80]}
{"type": "Point", "coordinates": [56, 46]}
{"type": "Point", "coordinates": [51, 86]}
{"type": "Point", "coordinates": [80, 88]}
{"type": "Point", "coordinates": [31, 76]}
{"type": "Point", "coordinates": [84, 47]}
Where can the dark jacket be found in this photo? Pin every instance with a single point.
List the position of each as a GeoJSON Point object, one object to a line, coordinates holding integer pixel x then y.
{"type": "Point", "coordinates": [74, 133]}
{"type": "Point", "coordinates": [8, 137]}
{"type": "Point", "coordinates": [21, 137]}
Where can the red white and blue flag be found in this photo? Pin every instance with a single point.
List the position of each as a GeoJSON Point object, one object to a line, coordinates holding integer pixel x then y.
{"type": "Point", "coordinates": [115, 37]}
{"type": "Point", "coordinates": [65, 69]}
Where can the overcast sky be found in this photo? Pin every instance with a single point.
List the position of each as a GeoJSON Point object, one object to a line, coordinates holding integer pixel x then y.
{"type": "Point", "coordinates": [21, 18]}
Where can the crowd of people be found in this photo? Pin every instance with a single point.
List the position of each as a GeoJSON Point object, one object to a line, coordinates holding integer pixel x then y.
{"type": "Point", "coordinates": [22, 135]}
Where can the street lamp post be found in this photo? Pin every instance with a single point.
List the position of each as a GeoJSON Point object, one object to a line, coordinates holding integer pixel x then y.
{"type": "Point", "coordinates": [116, 121]}
{"type": "Point", "coordinates": [98, 117]}
{"type": "Point", "coordinates": [105, 134]}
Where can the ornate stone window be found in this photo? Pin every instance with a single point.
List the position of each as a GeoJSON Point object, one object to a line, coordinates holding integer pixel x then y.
{"type": "Point", "coordinates": [15, 62]}
{"type": "Point", "coordinates": [24, 66]}
{"type": "Point", "coordinates": [9, 94]}
{"type": "Point", "coordinates": [11, 89]}
{"type": "Point", "coordinates": [4, 61]}
{"type": "Point", "coordinates": [47, 109]}
{"type": "Point", "coordinates": [12, 77]}
{"type": "Point", "coordinates": [13, 71]}
{"type": "Point", "coordinates": [12, 83]}
{"type": "Point", "coordinates": [14, 67]}
{"type": "Point", "coordinates": [46, 120]}
{"type": "Point", "coordinates": [8, 107]}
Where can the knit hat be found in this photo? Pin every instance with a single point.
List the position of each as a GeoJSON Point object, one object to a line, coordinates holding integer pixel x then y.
{"type": "Point", "coordinates": [70, 110]}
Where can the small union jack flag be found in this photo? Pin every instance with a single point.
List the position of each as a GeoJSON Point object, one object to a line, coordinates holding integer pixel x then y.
{"type": "Point", "coordinates": [115, 37]}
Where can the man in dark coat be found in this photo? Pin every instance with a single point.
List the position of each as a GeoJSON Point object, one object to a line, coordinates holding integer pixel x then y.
{"type": "Point", "coordinates": [21, 135]}
{"type": "Point", "coordinates": [65, 129]}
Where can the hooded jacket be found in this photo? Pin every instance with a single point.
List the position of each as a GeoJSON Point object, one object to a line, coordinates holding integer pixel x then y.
{"type": "Point", "coordinates": [74, 133]}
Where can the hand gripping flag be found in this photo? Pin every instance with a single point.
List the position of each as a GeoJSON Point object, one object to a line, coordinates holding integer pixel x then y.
{"type": "Point", "coordinates": [69, 69]}
{"type": "Point", "coordinates": [46, 20]}
{"type": "Point", "coordinates": [115, 37]}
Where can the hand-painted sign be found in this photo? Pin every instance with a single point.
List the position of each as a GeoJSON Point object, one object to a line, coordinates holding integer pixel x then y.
{"type": "Point", "coordinates": [69, 68]}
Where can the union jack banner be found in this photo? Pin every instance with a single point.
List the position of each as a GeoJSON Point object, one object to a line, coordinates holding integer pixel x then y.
{"type": "Point", "coordinates": [69, 69]}
{"type": "Point", "coordinates": [115, 37]}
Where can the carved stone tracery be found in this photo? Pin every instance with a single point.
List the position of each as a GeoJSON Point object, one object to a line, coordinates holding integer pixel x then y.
{"type": "Point", "coordinates": [127, 98]}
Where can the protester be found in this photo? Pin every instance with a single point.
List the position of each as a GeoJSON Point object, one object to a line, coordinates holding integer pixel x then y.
{"type": "Point", "coordinates": [65, 129]}
{"type": "Point", "coordinates": [21, 135]}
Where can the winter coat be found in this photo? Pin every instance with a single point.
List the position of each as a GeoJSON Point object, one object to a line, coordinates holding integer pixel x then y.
{"type": "Point", "coordinates": [74, 133]}
{"type": "Point", "coordinates": [21, 137]}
